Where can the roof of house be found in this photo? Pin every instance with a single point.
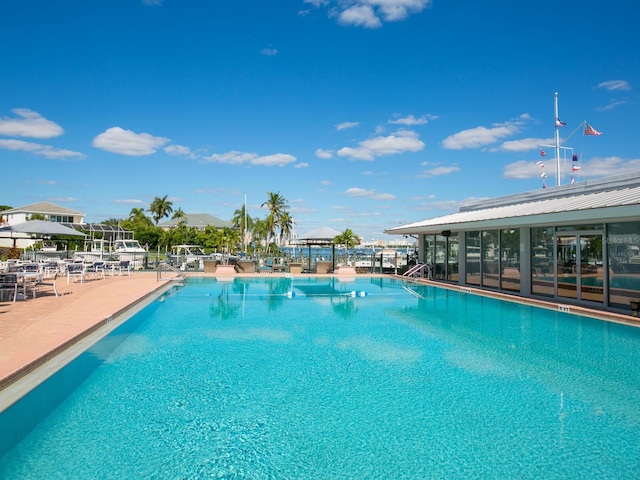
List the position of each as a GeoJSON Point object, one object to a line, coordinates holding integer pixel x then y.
{"type": "Point", "coordinates": [198, 220]}
{"type": "Point", "coordinates": [44, 208]}
{"type": "Point", "coordinates": [608, 199]}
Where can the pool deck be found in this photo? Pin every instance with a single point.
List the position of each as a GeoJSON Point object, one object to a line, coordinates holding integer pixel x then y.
{"type": "Point", "coordinates": [36, 330]}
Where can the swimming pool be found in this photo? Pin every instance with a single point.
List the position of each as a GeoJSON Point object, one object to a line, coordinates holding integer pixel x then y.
{"type": "Point", "coordinates": [323, 378]}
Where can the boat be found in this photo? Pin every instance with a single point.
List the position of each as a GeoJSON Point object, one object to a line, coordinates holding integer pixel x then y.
{"type": "Point", "coordinates": [389, 258]}
{"type": "Point", "coordinates": [183, 256]}
{"type": "Point", "coordinates": [129, 250]}
{"type": "Point", "coordinates": [119, 250]}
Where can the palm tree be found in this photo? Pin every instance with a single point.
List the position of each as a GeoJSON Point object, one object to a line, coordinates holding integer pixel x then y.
{"type": "Point", "coordinates": [137, 214]}
{"type": "Point", "coordinates": [277, 206]}
{"type": "Point", "coordinates": [243, 222]}
{"type": "Point", "coordinates": [348, 239]}
{"type": "Point", "coordinates": [160, 208]}
{"type": "Point", "coordinates": [286, 227]}
{"type": "Point", "coordinates": [180, 216]}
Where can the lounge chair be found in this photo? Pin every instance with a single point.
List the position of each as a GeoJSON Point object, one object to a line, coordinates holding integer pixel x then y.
{"type": "Point", "coordinates": [123, 268]}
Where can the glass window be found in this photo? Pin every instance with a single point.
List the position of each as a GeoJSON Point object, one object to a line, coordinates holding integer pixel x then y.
{"type": "Point", "coordinates": [623, 249]}
{"type": "Point", "coordinates": [542, 272]}
{"type": "Point", "coordinates": [472, 258]}
{"type": "Point", "coordinates": [490, 258]}
{"type": "Point", "coordinates": [510, 259]}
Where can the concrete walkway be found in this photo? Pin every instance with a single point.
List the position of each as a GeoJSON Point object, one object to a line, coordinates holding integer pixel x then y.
{"type": "Point", "coordinates": [34, 330]}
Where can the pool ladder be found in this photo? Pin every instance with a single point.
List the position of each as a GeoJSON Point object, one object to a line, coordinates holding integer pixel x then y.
{"type": "Point", "coordinates": [166, 266]}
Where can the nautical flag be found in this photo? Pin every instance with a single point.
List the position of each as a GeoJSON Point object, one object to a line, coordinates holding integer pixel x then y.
{"type": "Point", "coordinates": [575, 168]}
{"type": "Point", "coordinates": [543, 175]}
{"type": "Point", "coordinates": [544, 185]}
{"type": "Point", "coordinates": [573, 180]}
{"type": "Point", "coordinates": [543, 153]}
{"type": "Point", "coordinates": [589, 130]}
{"type": "Point", "coordinates": [574, 157]}
{"type": "Point", "coordinates": [559, 123]}
{"type": "Point", "coordinates": [540, 163]}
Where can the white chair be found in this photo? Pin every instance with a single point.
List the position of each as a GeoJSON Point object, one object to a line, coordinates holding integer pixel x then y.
{"type": "Point", "coordinates": [75, 270]}
{"type": "Point", "coordinates": [123, 268]}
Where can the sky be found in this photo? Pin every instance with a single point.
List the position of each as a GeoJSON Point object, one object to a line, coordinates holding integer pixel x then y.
{"type": "Point", "coordinates": [362, 114]}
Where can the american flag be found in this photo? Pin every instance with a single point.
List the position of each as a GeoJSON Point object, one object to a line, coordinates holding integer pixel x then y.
{"type": "Point", "coordinates": [589, 130]}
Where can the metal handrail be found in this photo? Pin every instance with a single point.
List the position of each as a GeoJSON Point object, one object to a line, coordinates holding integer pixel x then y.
{"type": "Point", "coordinates": [170, 268]}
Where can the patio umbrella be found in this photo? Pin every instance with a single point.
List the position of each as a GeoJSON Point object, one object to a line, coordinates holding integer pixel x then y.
{"type": "Point", "coordinates": [42, 227]}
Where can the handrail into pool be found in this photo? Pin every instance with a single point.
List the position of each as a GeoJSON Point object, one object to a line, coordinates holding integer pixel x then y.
{"type": "Point", "coordinates": [173, 269]}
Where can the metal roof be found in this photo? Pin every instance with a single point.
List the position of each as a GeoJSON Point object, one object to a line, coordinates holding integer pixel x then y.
{"type": "Point", "coordinates": [611, 199]}
{"type": "Point", "coordinates": [44, 208]}
{"type": "Point", "coordinates": [198, 220]}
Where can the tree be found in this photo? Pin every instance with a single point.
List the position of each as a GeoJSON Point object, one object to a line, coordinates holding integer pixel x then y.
{"type": "Point", "coordinates": [180, 216]}
{"type": "Point", "coordinates": [243, 222]}
{"type": "Point", "coordinates": [137, 215]}
{"type": "Point", "coordinates": [349, 240]}
{"type": "Point", "coordinates": [160, 208]}
{"type": "Point", "coordinates": [277, 206]}
{"type": "Point", "coordinates": [286, 227]}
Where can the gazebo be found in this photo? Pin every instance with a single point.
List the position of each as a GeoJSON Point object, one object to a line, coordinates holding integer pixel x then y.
{"type": "Point", "coordinates": [320, 237]}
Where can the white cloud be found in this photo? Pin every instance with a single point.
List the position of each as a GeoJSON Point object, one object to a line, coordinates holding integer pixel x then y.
{"type": "Point", "coordinates": [604, 166]}
{"type": "Point", "coordinates": [522, 169]}
{"type": "Point", "coordinates": [302, 165]}
{"type": "Point", "coordinates": [615, 85]}
{"type": "Point", "coordinates": [438, 171]}
{"type": "Point", "coordinates": [47, 182]}
{"type": "Point", "coordinates": [411, 120]}
{"type": "Point", "coordinates": [361, 192]}
{"type": "Point", "coordinates": [524, 145]}
{"type": "Point", "coordinates": [179, 150]}
{"type": "Point", "coordinates": [324, 154]}
{"type": "Point", "coordinates": [126, 142]}
{"type": "Point", "coordinates": [482, 136]}
{"type": "Point", "coordinates": [359, 16]}
{"type": "Point", "coordinates": [371, 13]}
{"type": "Point", "coordinates": [38, 149]}
{"type": "Point", "coordinates": [595, 167]}
{"type": "Point", "coordinates": [269, 52]}
{"type": "Point", "coordinates": [152, 3]}
{"type": "Point", "coordinates": [30, 124]}
{"type": "Point", "coordinates": [611, 105]}
{"type": "Point", "coordinates": [129, 201]}
{"type": "Point", "coordinates": [346, 125]}
{"type": "Point", "coordinates": [240, 158]}
{"type": "Point", "coordinates": [397, 143]}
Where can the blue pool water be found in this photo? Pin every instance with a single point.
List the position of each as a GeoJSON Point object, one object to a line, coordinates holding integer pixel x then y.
{"type": "Point", "coordinates": [320, 378]}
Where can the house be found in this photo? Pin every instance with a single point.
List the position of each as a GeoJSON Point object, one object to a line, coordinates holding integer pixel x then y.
{"type": "Point", "coordinates": [50, 211]}
{"type": "Point", "coordinates": [572, 244]}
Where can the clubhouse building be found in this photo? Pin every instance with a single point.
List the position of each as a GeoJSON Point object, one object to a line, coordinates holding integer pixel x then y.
{"type": "Point", "coordinates": [575, 244]}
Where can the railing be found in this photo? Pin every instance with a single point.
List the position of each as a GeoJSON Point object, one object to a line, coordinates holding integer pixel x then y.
{"type": "Point", "coordinates": [417, 269]}
{"type": "Point", "coordinates": [166, 266]}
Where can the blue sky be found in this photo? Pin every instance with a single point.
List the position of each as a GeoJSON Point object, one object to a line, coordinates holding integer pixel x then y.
{"type": "Point", "coordinates": [363, 114]}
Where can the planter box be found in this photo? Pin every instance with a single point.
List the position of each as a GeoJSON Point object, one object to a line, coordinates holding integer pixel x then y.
{"type": "Point", "coordinates": [210, 266]}
{"type": "Point", "coordinates": [295, 268]}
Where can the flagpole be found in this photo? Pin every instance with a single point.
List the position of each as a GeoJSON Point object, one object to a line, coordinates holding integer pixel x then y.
{"type": "Point", "coordinates": [557, 124]}
{"type": "Point", "coordinates": [244, 230]}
